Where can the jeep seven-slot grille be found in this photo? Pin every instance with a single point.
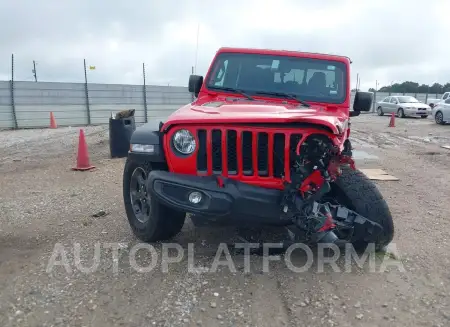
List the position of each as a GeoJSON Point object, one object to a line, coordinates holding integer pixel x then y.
{"type": "Point", "coordinates": [267, 160]}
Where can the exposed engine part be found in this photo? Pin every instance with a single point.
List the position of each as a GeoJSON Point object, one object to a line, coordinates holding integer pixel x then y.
{"type": "Point", "coordinates": [312, 158]}
{"type": "Point", "coordinates": [317, 163]}
{"type": "Point", "coordinates": [309, 171]}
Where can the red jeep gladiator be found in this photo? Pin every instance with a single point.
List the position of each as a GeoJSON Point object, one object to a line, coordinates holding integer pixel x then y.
{"type": "Point", "coordinates": [266, 141]}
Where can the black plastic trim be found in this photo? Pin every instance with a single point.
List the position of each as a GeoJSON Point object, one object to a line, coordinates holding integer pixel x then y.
{"type": "Point", "coordinates": [146, 134]}
{"type": "Point", "coordinates": [142, 157]}
{"type": "Point", "coordinates": [234, 199]}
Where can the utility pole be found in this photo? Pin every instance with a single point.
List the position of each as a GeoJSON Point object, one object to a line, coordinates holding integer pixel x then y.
{"type": "Point", "coordinates": [34, 71]}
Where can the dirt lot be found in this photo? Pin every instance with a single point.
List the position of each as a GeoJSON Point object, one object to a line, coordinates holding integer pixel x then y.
{"type": "Point", "coordinates": [43, 203]}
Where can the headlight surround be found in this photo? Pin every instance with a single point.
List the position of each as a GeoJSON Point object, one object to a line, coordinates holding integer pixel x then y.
{"type": "Point", "coordinates": [184, 142]}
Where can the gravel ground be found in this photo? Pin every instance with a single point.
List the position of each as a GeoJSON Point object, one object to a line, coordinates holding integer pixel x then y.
{"type": "Point", "coordinates": [47, 206]}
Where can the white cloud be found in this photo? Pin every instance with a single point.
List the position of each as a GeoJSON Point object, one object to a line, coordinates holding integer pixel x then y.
{"type": "Point", "coordinates": [387, 40]}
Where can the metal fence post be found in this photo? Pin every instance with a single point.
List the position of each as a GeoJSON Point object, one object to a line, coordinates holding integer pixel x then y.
{"type": "Point", "coordinates": [13, 103]}
{"type": "Point", "coordinates": [88, 110]}
{"type": "Point", "coordinates": [374, 100]}
{"type": "Point", "coordinates": [145, 93]}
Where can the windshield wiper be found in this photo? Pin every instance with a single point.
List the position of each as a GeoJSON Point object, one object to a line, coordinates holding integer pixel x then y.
{"type": "Point", "coordinates": [230, 89]}
{"type": "Point", "coordinates": [285, 95]}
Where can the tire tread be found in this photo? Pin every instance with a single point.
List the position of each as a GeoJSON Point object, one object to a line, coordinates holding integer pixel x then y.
{"type": "Point", "coordinates": [167, 223]}
{"type": "Point", "coordinates": [365, 198]}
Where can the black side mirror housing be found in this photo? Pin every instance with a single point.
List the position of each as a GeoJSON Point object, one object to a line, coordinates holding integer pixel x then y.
{"type": "Point", "coordinates": [195, 83]}
{"type": "Point", "coordinates": [363, 101]}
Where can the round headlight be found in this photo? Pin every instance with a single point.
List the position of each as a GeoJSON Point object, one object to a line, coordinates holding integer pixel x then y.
{"type": "Point", "coordinates": [184, 141]}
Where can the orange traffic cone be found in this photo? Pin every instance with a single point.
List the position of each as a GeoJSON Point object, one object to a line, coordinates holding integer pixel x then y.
{"type": "Point", "coordinates": [83, 154]}
{"type": "Point", "coordinates": [392, 122]}
{"type": "Point", "coordinates": [52, 121]}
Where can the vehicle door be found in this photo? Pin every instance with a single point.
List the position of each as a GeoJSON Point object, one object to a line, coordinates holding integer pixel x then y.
{"type": "Point", "coordinates": [446, 109]}
{"type": "Point", "coordinates": [393, 105]}
{"type": "Point", "coordinates": [384, 104]}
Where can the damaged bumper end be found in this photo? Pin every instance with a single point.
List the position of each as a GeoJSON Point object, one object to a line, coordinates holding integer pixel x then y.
{"type": "Point", "coordinates": [210, 196]}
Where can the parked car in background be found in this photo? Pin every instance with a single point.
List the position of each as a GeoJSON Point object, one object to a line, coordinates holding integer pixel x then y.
{"type": "Point", "coordinates": [433, 102]}
{"type": "Point", "coordinates": [403, 106]}
{"type": "Point", "coordinates": [441, 112]}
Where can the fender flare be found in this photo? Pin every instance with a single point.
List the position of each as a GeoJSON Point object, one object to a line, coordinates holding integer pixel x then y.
{"type": "Point", "coordinates": [148, 134]}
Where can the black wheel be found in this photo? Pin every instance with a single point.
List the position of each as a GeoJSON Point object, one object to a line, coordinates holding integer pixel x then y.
{"type": "Point", "coordinates": [149, 220]}
{"type": "Point", "coordinates": [439, 118]}
{"type": "Point", "coordinates": [400, 113]}
{"type": "Point", "coordinates": [357, 192]}
{"type": "Point", "coordinates": [380, 111]}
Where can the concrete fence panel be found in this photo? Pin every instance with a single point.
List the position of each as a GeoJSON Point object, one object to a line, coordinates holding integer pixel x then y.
{"type": "Point", "coordinates": [73, 105]}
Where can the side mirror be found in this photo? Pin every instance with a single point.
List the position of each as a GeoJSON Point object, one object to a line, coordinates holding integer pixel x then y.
{"type": "Point", "coordinates": [195, 83]}
{"type": "Point", "coordinates": [363, 101]}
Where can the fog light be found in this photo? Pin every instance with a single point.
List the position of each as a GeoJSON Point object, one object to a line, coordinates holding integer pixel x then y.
{"type": "Point", "coordinates": [195, 197]}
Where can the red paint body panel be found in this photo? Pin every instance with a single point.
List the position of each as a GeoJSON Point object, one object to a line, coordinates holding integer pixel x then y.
{"type": "Point", "coordinates": [239, 115]}
{"type": "Point", "coordinates": [188, 164]}
{"type": "Point", "coordinates": [274, 111]}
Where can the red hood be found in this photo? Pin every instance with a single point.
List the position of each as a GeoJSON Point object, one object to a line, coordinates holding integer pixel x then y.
{"type": "Point", "coordinates": [258, 112]}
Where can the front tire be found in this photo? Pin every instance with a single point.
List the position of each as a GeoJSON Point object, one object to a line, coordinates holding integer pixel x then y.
{"type": "Point", "coordinates": [149, 220]}
{"type": "Point", "coordinates": [439, 118]}
{"type": "Point", "coordinates": [380, 111]}
{"type": "Point", "coordinates": [357, 192]}
{"type": "Point", "coordinates": [400, 113]}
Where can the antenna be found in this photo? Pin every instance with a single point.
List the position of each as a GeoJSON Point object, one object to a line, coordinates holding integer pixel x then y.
{"type": "Point", "coordinates": [196, 49]}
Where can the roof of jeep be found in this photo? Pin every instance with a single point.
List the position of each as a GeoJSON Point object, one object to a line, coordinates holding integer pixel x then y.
{"type": "Point", "coordinates": [290, 53]}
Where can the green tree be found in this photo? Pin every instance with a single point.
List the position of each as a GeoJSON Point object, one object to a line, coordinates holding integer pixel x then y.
{"type": "Point", "coordinates": [413, 87]}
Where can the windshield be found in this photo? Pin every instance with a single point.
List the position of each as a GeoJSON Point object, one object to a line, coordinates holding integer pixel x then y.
{"type": "Point", "coordinates": [306, 78]}
{"type": "Point", "coordinates": [407, 99]}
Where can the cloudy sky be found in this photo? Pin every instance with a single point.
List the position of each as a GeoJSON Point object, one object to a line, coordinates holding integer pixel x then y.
{"type": "Point", "coordinates": [388, 41]}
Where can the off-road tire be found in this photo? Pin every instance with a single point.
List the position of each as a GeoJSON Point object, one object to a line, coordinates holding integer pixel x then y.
{"type": "Point", "coordinates": [357, 192]}
{"type": "Point", "coordinates": [163, 224]}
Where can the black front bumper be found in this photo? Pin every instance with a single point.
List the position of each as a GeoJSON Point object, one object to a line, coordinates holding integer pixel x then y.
{"type": "Point", "coordinates": [233, 198]}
